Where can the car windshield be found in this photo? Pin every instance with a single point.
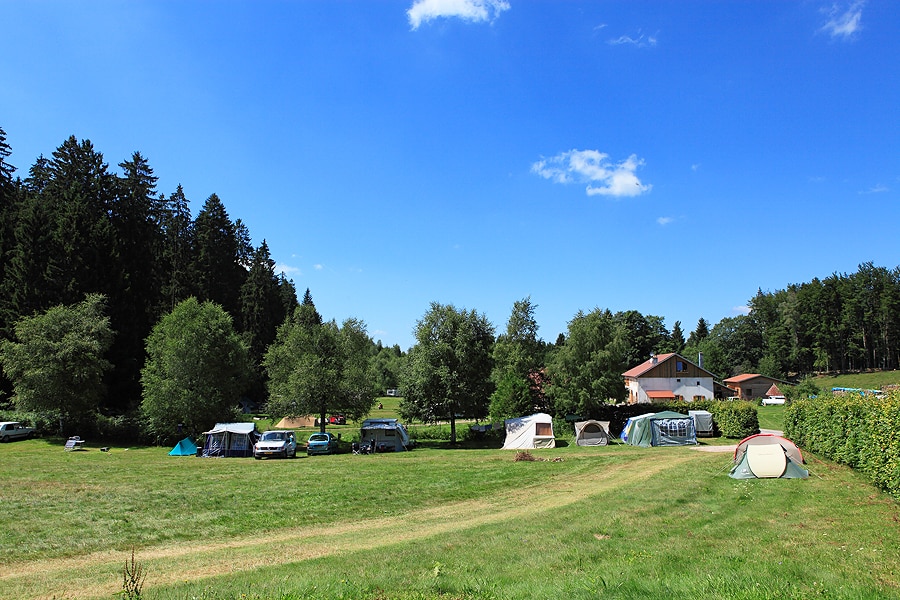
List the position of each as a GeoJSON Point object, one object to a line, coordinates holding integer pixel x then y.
{"type": "Point", "coordinates": [273, 436]}
{"type": "Point", "coordinates": [318, 437]}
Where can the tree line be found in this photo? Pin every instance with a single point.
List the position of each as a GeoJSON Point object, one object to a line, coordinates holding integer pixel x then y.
{"type": "Point", "coordinates": [140, 275]}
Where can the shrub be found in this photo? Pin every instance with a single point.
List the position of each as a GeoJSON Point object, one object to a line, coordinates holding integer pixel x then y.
{"type": "Point", "coordinates": [861, 432]}
{"type": "Point", "coordinates": [737, 419]}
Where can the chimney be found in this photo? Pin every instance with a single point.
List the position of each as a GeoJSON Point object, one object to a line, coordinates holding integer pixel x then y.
{"type": "Point", "coordinates": [700, 359]}
{"type": "Point", "coordinates": [652, 358]}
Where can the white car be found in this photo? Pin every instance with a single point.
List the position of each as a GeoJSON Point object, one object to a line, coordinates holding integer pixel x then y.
{"type": "Point", "coordinates": [13, 430]}
{"type": "Point", "coordinates": [282, 444]}
{"type": "Point", "coordinates": [768, 400]}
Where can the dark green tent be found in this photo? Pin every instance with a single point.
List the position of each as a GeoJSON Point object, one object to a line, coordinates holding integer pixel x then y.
{"type": "Point", "coordinates": [665, 428]}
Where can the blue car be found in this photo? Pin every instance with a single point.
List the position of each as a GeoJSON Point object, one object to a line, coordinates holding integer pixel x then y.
{"type": "Point", "coordinates": [321, 443]}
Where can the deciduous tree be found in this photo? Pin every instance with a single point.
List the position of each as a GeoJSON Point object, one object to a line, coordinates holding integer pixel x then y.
{"type": "Point", "coordinates": [196, 370]}
{"type": "Point", "coordinates": [448, 374]}
{"type": "Point", "coordinates": [57, 363]}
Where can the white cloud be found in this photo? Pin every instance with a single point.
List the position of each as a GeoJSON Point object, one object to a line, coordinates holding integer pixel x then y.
{"type": "Point", "coordinates": [318, 267]}
{"type": "Point", "coordinates": [476, 11]}
{"type": "Point", "coordinates": [878, 189]}
{"type": "Point", "coordinates": [843, 22]}
{"type": "Point", "coordinates": [741, 310]}
{"type": "Point", "coordinates": [641, 41]}
{"type": "Point", "coordinates": [603, 177]}
{"type": "Point", "coordinates": [663, 221]}
{"type": "Point", "coordinates": [695, 167]}
{"type": "Point", "coordinates": [287, 270]}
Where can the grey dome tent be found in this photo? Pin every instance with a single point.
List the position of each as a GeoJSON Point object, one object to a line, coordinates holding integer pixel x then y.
{"type": "Point", "coordinates": [592, 433]}
{"type": "Point", "coordinates": [765, 455]}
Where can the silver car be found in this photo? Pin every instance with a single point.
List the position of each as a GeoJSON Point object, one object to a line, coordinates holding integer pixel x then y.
{"type": "Point", "coordinates": [282, 444]}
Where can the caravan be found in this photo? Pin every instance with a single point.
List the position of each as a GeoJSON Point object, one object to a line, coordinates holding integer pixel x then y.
{"type": "Point", "coordinates": [384, 435]}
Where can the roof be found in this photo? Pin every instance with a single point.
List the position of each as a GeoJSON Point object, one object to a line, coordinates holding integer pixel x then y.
{"type": "Point", "coordinates": [647, 365]}
{"type": "Point", "coordinates": [744, 377]}
{"type": "Point", "coordinates": [773, 391]}
{"type": "Point", "coordinates": [655, 361]}
{"type": "Point", "coordinates": [233, 428]}
{"type": "Point", "coordinates": [661, 394]}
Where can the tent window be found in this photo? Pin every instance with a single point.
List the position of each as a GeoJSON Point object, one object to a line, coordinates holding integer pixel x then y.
{"type": "Point", "coordinates": [543, 429]}
{"type": "Point", "coordinates": [674, 428]}
{"type": "Point", "coordinates": [389, 433]}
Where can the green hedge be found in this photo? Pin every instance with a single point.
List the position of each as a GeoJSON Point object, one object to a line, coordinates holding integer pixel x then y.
{"type": "Point", "coordinates": [861, 432]}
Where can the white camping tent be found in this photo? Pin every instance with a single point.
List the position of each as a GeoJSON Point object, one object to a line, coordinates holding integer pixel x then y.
{"type": "Point", "coordinates": [535, 431]}
{"type": "Point", "coordinates": [592, 433]}
{"type": "Point", "coordinates": [230, 439]}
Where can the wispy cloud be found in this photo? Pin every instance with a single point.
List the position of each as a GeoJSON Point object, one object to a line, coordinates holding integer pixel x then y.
{"type": "Point", "coordinates": [641, 41]}
{"type": "Point", "coordinates": [876, 189]}
{"type": "Point", "coordinates": [844, 20]}
{"type": "Point", "coordinates": [287, 270]}
{"type": "Point", "coordinates": [318, 267]}
{"type": "Point", "coordinates": [741, 310]}
{"type": "Point", "coordinates": [593, 167]}
{"type": "Point", "coordinates": [663, 221]}
{"type": "Point", "coordinates": [475, 11]}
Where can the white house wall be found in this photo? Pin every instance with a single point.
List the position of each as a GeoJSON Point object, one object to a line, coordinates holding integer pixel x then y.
{"type": "Point", "coordinates": [685, 387]}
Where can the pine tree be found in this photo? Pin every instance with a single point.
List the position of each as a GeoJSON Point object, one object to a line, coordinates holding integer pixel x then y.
{"type": "Point", "coordinates": [217, 265]}
{"type": "Point", "coordinates": [177, 252]}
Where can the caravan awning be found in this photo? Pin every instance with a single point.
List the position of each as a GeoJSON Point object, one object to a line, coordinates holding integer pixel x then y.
{"type": "Point", "coordinates": [661, 395]}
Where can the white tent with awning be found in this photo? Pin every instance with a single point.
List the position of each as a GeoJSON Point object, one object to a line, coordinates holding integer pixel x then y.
{"type": "Point", "coordinates": [534, 431]}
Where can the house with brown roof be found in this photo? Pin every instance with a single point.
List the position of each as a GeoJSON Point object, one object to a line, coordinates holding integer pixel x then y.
{"type": "Point", "coordinates": [668, 377]}
{"type": "Point", "coordinates": [752, 386]}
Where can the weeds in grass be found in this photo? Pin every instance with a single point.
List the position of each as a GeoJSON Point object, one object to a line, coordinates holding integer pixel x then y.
{"type": "Point", "coordinates": [133, 576]}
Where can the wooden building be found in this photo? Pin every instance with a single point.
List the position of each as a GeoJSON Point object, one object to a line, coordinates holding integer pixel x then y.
{"type": "Point", "coordinates": [668, 377]}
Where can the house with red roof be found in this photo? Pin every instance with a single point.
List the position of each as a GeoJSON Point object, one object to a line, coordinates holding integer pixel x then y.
{"type": "Point", "coordinates": [668, 377]}
{"type": "Point", "coordinates": [752, 386]}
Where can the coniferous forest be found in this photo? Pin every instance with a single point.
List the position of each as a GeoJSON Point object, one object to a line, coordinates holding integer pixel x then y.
{"type": "Point", "coordinates": [71, 227]}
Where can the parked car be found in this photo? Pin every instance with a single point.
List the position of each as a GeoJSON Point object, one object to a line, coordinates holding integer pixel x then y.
{"type": "Point", "coordinates": [321, 443]}
{"type": "Point", "coordinates": [337, 420]}
{"type": "Point", "coordinates": [13, 430]}
{"type": "Point", "coordinates": [772, 400]}
{"type": "Point", "coordinates": [282, 444]}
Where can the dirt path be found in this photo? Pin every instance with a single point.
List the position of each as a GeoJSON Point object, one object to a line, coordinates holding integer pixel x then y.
{"type": "Point", "coordinates": [99, 574]}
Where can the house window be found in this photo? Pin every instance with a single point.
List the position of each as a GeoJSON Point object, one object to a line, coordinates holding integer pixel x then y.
{"type": "Point", "coordinates": [680, 367]}
{"type": "Point", "coordinates": [679, 397]}
{"type": "Point", "coordinates": [543, 429]}
{"type": "Point", "coordinates": [699, 398]}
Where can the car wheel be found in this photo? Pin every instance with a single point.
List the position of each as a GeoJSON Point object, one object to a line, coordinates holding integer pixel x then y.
{"type": "Point", "coordinates": [256, 457]}
{"type": "Point", "coordinates": [4, 439]}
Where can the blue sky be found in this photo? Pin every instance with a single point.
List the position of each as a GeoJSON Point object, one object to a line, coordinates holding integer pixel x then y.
{"type": "Point", "coordinates": [667, 157]}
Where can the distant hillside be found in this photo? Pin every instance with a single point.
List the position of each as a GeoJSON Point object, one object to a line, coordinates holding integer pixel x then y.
{"type": "Point", "coordinates": [870, 381]}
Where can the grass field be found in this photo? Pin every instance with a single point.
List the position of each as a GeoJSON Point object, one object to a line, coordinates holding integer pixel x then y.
{"type": "Point", "coordinates": [869, 381]}
{"type": "Point", "coordinates": [438, 523]}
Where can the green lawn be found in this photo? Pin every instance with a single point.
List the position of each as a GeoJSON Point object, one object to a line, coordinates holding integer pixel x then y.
{"type": "Point", "coordinates": [438, 523]}
{"type": "Point", "coordinates": [868, 381]}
